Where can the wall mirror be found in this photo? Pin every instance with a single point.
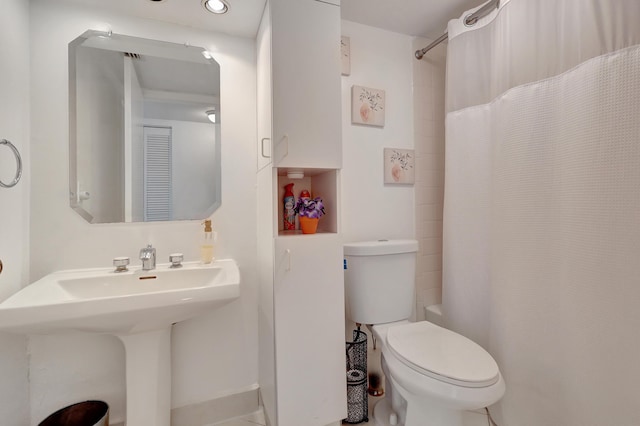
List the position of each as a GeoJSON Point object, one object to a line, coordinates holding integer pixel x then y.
{"type": "Point", "coordinates": [144, 129]}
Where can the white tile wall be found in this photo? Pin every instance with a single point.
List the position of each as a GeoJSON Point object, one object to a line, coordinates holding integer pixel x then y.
{"type": "Point", "coordinates": [428, 110]}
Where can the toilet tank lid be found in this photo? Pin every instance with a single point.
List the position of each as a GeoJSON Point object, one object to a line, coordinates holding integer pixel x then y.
{"type": "Point", "coordinates": [380, 247]}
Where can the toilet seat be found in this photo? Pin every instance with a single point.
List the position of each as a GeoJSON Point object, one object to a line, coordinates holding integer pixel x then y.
{"type": "Point", "coordinates": [442, 354]}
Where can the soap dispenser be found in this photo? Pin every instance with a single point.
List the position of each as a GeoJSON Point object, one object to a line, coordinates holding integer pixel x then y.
{"type": "Point", "coordinates": [206, 249]}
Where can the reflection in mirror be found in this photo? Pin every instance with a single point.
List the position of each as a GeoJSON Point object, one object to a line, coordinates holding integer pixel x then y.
{"type": "Point", "coordinates": [144, 143]}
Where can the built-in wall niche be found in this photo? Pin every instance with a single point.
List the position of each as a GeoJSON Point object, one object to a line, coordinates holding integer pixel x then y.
{"type": "Point", "coordinates": [323, 183]}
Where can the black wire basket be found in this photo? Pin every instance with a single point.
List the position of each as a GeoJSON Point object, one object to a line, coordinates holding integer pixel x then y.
{"type": "Point", "coordinates": [357, 396]}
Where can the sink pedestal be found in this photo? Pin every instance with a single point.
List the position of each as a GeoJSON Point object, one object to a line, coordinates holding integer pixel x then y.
{"type": "Point", "coordinates": [148, 366]}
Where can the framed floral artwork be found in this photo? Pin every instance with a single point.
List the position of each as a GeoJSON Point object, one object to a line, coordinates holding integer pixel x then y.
{"type": "Point", "coordinates": [367, 106]}
{"type": "Point", "coordinates": [345, 54]}
{"type": "Point", "coordinates": [399, 166]}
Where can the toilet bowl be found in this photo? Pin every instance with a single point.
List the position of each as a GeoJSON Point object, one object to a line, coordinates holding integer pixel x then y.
{"type": "Point", "coordinates": [433, 374]}
{"type": "Point", "coordinates": [437, 374]}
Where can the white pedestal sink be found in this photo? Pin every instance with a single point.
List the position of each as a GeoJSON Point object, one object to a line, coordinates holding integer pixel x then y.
{"type": "Point", "coordinates": [137, 306]}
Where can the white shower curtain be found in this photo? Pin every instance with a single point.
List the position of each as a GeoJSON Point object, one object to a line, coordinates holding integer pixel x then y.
{"type": "Point", "coordinates": [542, 206]}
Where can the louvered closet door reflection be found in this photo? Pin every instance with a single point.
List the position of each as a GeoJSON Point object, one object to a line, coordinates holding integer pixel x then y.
{"type": "Point", "coordinates": [157, 174]}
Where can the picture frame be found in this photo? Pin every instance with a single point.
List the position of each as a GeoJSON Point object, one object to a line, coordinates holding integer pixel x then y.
{"type": "Point", "coordinates": [399, 166]}
{"type": "Point", "coordinates": [367, 106]}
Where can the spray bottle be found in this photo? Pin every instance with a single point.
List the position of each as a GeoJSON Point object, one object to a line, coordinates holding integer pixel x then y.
{"type": "Point", "coordinates": [289, 212]}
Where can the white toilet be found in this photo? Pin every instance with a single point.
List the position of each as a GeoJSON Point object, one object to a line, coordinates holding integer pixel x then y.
{"type": "Point", "coordinates": [433, 374]}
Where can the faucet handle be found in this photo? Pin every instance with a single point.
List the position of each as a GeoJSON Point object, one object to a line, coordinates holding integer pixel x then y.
{"type": "Point", "coordinates": [176, 260]}
{"type": "Point", "coordinates": [121, 263]}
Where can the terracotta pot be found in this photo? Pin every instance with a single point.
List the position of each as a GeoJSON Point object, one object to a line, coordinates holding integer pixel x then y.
{"type": "Point", "coordinates": [308, 225]}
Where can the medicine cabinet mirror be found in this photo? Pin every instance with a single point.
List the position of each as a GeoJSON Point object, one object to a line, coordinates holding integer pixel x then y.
{"type": "Point", "coordinates": [143, 146]}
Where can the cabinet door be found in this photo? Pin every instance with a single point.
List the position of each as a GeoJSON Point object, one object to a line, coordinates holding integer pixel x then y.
{"type": "Point", "coordinates": [306, 84]}
{"type": "Point", "coordinates": [263, 83]}
{"type": "Point", "coordinates": [266, 326]}
{"type": "Point", "coordinates": [309, 328]}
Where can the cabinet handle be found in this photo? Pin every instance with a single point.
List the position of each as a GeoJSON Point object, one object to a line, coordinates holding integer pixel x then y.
{"type": "Point", "coordinates": [262, 148]}
{"type": "Point", "coordinates": [288, 252]}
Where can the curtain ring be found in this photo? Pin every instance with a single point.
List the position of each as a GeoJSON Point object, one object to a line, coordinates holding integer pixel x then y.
{"type": "Point", "coordinates": [18, 164]}
{"type": "Point", "coordinates": [470, 20]}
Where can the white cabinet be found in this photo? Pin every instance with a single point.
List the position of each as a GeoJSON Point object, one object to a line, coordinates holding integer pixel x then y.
{"type": "Point", "coordinates": [305, 66]}
{"type": "Point", "coordinates": [309, 330]}
{"type": "Point", "coordinates": [263, 83]}
{"type": "Point", "coordinates": [301, 310]}
{"type": "Point", "coordinates": [301, 314]}
{"type": "Point", "coordinates": [266, 325]}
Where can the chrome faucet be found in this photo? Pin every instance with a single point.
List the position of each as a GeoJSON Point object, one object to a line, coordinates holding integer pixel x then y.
{"type": "Point", "coordinates": [148, 257]}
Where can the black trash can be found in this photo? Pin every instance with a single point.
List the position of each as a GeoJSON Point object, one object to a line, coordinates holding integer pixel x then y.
{"type": "Point", "coordinates": [87, 413]}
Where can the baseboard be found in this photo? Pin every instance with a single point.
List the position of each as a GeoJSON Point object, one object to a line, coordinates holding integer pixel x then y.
{"type": "Point", "coordinates": [216, 410]}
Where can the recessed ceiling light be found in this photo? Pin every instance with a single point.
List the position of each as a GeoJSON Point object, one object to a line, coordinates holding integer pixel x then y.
{"type": "Point", "coordinates": [216, 6]}
{"type": "Point", "coordinates": [212, 115]}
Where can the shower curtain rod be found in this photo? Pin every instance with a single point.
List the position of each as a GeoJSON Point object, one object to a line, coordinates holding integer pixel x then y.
{"type": "Point", "coordinates": [469, 21]}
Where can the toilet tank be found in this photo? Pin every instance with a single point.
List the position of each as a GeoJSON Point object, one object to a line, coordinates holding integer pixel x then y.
{"type": "Point", "coordinates": [379, 280]}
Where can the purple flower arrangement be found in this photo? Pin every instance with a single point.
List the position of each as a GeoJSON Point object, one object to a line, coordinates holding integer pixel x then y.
{"type": "Point", "coordinates": [310, 208]}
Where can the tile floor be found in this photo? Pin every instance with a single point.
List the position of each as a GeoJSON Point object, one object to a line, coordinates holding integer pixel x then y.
{"type": "Point", "coordinates": [471, 418]}
{"type": "Point", "coordinates": [253, 419]}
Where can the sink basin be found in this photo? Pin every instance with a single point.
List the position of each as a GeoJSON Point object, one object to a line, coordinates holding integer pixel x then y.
{"type": "Point", "coordinates": [103, 301]}
{"type": "Point", "coordinates": [137, 306]}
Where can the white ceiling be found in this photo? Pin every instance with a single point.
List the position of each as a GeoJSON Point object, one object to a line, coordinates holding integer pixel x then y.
{"type": "Point", "coordinates": [427, 18]}
{"type": "Point", "coordinates": [242, 19]}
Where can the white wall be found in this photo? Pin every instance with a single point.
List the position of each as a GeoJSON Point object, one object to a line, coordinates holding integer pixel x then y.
{"type": "Point", "coordinates": [370, 209]}
{"type": "Point", "coordinates": [214, 354]}
{"type": "Point", "coordinates": [414, 119]}
{"type": "Point", "coordinates": [14, 202]}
